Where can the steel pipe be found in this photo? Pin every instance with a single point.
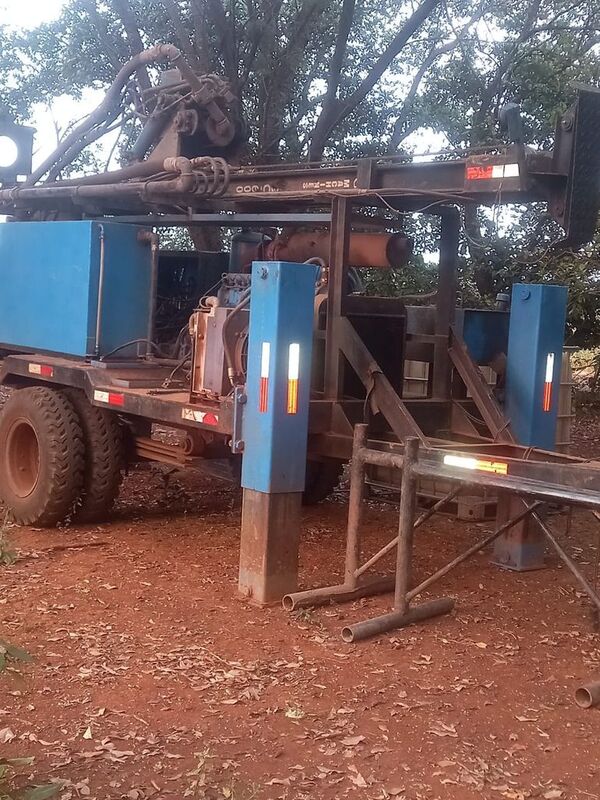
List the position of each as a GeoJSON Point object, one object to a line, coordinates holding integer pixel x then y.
{"type": "Point", "coordinates": [423, 518]}
{"type": "Point", "coordinates": [341, 593]}
{"type": "Point", "coordinates": [355, 505]}
{"type": "Point", "coordinates": [568, 561]}
{"type": "Point", "coordinates": [408, 503]}
{"type": "Point", "coordinates": [471, 551]}
{"type": "Point", "coordinates": [588, 695]}
{"type": "Point", "coordinates": [396, 619]}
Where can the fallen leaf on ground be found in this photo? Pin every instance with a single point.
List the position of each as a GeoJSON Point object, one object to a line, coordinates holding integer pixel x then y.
{"type": "Point", "coordinates": [352, 741]}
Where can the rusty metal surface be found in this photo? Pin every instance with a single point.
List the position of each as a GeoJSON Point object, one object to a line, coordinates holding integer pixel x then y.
{"type": "Point", "coordinates": [381, 250]}
{"type": "Point", "coordinates": [155, 450]}
{"type": "Point", "coordinates": [574, 483]}
{"type": "Point", "coordinates": [269, 545]}
{"type": "Point", "coordinates": [480, 390]}
{"type": "Point", "coordinates": [380, 390]}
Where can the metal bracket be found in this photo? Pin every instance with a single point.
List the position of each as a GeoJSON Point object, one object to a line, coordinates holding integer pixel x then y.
{"type": "Point", "coordinates": [239, 401]}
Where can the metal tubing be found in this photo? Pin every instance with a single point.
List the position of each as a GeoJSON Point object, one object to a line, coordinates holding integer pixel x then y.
{"type": "Point", "coordinates": [100, 293]}
{"type": "Point", "coordinates": [568, 561]}
{"type": "Point", "coordinates": [408, 501]}
{"type": "Point", "coordinates": [338, 267]}
{"type": "Point", "coordinates": [446, 300]}
{"type": "Point", "coordinates": [588, 695]}
{"type": "Point", "coordinates": [154, 252]}
{"type": "Point", "coordinates": [339, 593]}
{"type": "Point", "coordinates": [423, 518]}
{"type": "Point", "coordinates": [110, 104]}
{"type": "Point", "coordinates": [355, 506]}
{"type": "Point", "coordinates": [396, 619]}
{"type": "Point", "coordinates": [471, 551]}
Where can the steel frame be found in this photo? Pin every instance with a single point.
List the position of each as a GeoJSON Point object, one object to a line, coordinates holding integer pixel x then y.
{"type": "Point", "coordinates": [533, 493]}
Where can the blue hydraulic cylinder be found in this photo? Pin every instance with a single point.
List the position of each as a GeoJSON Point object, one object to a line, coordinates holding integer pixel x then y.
{"type": "Point", "coordinates": [535, 345]}
{"type": "Point", "coordinates": [275, 425]}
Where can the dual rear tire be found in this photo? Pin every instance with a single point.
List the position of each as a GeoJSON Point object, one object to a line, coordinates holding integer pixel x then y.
{"type": "Point", "coordinates": [61, 458]}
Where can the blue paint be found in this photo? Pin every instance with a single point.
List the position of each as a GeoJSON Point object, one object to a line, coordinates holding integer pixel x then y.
{"type": "Point", "coordinates": [49, 273]}
{"type": "Point", "coordinates": [281, 313]}
{"type": "Point", "coordinates": [537, 325]}
{"type": "Point", "coordinates": [485, 333]}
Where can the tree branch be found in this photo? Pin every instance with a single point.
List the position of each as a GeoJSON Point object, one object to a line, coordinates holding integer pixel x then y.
{"type": "Point", "coordinates": [225, 29]}
{"type": "Point", "coordinates": [332, 114]}
{"type": "Point", "coordinates": [398, 134]}
{"type": "Point", "coordinates": [198, 12]}
{"type": "Point", "coordinates": [339, 52]}
{"type": "Point", "coordinates": [104, 38]}
{"type": "Point", "coordinates": [127, 16]}
{"type": "Point", "coordinates": [182, 35]}
{"type": "Point", "coordinates": [495, 84]}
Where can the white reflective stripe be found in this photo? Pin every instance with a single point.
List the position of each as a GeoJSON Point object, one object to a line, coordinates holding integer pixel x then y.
{"type": "Point", "coordinates": [194, 415]}
{"type": "Point", "coordinates": [101, 397]}
{"type": "Point", "coordinates": [505, 171]}
{"type": "Point", "coordinates": [264, 359]}
{"type": "Point", "coordinates": [549, 367]}
{"type": "Point", "coordinates": [460, 461]}
{"type": "Point", "coordinates": [294, 362]}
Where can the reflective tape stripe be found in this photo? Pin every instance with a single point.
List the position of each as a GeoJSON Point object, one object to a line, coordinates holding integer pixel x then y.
{"type": "Point", "coordinates": [481, 465]}
{"type": "Point", "coordinates": [263, 390]}
{"type": "Point", "coordinates": [486, 172]}
{"type": "Point", "coordinates": [547, 397]}
{"type": "Point", "coordinates": [195, 415]}
{"type": "Point", "coordinates": [265, 356]}
{"type": "Point", "coordinates": [549, 367]}
{"type": "Point", "coordinates": [293, 375]}
{"type": "Point", "coordinates": [111, 398]}
{"type": "Point", "coordinates": [41, 369]}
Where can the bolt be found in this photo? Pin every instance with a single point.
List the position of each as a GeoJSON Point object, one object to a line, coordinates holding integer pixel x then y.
{"type": "Point", "coordinates": [239, 445]}
{"type": "Point", "coordinates": [567, 122]}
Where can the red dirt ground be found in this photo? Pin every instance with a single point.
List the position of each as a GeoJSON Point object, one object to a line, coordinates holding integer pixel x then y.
{"type": "Point", "coordinates": [152, 679]}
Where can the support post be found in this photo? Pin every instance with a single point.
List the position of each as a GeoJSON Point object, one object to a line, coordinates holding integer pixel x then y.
{"type": "Point", "coordinates": [445, 301]}
{"type": "Point", "coordinates": [269, 545]}
{"type": "Point", "coordinates": [275, 427]}
{"type": "Point", "coordinates": [408, 504]}
{"type": "Point", "coordinates": [338, 270]}
{"type": "Point", "coordinates": [533, 365]}
{"type": "Point", "coordinates": [355, 506]}
{"type": "Point", "coordinates": [402, 615]}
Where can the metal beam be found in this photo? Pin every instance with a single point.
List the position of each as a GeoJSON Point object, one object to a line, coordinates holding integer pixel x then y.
{"type": "Point", "coordinates": [226, 219]}
{"type": "Point", "coordinates": [445, 301]}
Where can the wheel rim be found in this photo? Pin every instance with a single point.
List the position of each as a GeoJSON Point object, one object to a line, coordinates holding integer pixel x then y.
{"type": "Point", "coordinates": [22, 458]}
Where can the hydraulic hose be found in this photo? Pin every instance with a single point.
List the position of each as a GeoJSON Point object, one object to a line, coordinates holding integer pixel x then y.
{"type": "Point", "coordinates": [109, 107]}
{"type": "Point", "coordinates": [243, 302]}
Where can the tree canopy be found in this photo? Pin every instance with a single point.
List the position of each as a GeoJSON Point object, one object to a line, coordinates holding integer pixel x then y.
{"type": "Point", "coordinates": [339, 78]}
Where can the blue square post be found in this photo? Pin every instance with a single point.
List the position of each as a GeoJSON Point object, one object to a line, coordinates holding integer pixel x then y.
{"type": "Point", "coordinates": [275, 427]}
{"type": "Point", "coordinates": [533, 366]}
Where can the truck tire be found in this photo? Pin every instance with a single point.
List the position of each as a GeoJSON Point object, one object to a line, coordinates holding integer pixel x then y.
{"type": "Point", "coordinates": [41, 456]}
{"type": "Point", "coordinates": [104, 458]}
{"type": "Point", "coordinates": [322, 477]}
